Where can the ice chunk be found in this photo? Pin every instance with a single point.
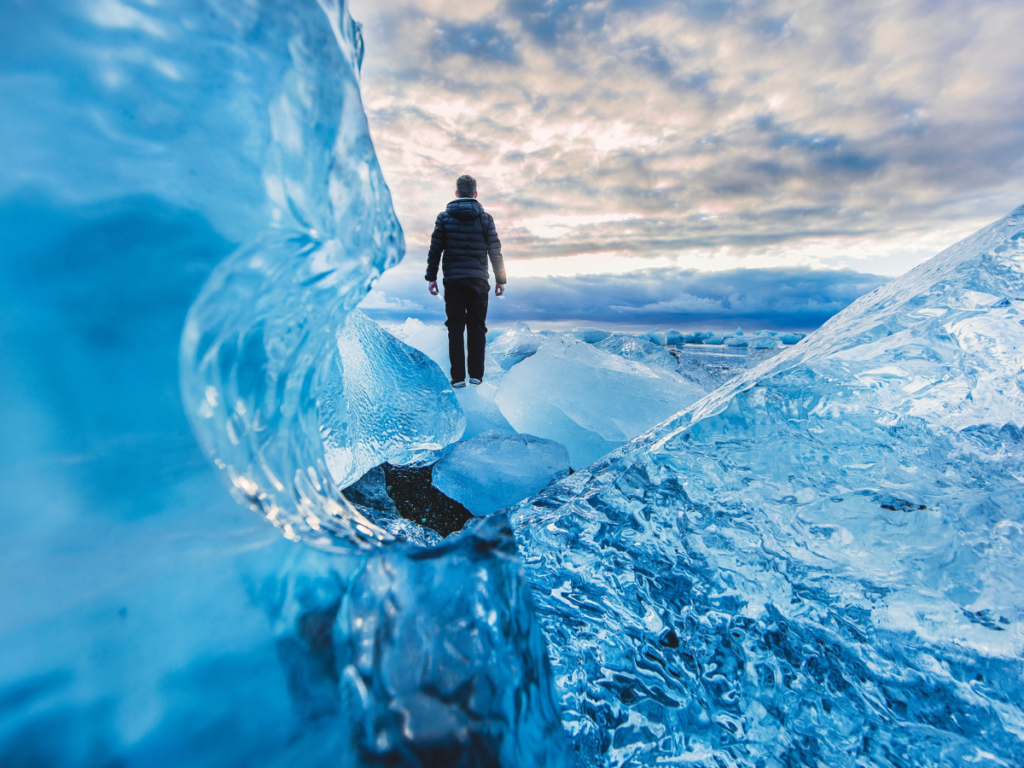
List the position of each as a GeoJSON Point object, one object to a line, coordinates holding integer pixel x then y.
{"type": "Point", "coordinates": [840, 521]}
{"type": "Point", "coordinates": [675, 337]}
{"type": "Point", "coordinates": [791, 338]}
{"type": "Point", "coordinates": [588, 400]}
{"type": "Point", "coordinates": [147, 619]}
{"type": "Point", "coordinates": [514, 345]}
{"type": "Point", "coordinates": [655, 337]}
{"type": "Point", "coordinates": [631, 347]}
{"type": "Point", "coordinates": [409, 658]}
{"type": "Point", "coordinates": [764, 340]}
{"type": "Point", "coordinates": [589, 335]}
{"type": "Point", "coordinates": [494, 471]}
{"type": "Point", "coordinates": [386, 402]}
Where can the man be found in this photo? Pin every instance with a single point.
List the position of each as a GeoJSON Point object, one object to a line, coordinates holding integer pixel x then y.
{"type": "Point", "coordinates": [464, 237]}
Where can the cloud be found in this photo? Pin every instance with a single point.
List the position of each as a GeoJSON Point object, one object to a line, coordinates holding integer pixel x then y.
{"type": "Point", "coordinates": [786, 298]}
{"type": "Point", "coordinates": [837, 121]}
{"type": "Point", "coordinates": [477, 40]}
{"type": "Point", "coordinates": [651, 162]}
{"type": "Point", "coordinates": [377, 301]}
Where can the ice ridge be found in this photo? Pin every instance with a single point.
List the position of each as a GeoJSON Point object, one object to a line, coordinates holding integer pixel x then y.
{"type": "Point", "coordinates": [821, 562]}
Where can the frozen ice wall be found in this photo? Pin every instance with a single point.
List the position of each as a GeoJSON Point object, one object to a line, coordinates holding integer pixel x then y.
{"type": "Point", "coordinates": [821, 562]}
{"type": "Point", "coordinates": [197, 153]}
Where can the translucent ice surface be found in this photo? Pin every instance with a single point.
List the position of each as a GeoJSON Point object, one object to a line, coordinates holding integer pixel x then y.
{"type": "Point", "coordinates": [516, 344]}
{"type": "Point", "coordinates": [821, 562]}
{"type": "Point", "coordinates": [392, 403]}
{"type": "Point", "coordinates": [494, 470]}
{"type": "Point", "coordinates": [159, 156]}
{"type": "Point", "coordinates": [589, 400]}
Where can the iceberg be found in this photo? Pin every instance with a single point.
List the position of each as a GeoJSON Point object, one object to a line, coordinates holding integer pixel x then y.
{"type": "Point", "coordinates": [676, 338]}
{"type": "Point", "coordinates": [822, 561]}
{"type": "Point", "coordinates": [386, 402]}
{"type": "Point", "coordinates": [631, 347]}
{"type": "Point", "coordinates": [764, 340]}
{"type": "Point", "coordinates": [656, 337]}
{"type": "Point", "coordinates": [589, 400]}
{"type": "Point", "coordinates": [494, 470]}
{"type": "Point", "coordinates": [589, 335]}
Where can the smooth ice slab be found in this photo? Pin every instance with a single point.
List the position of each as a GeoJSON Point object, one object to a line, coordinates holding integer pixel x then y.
{"type": "Point", "coordinates": [821, 562]}
{"type": "Point", "coordinates": [589, 400]}
{"type": "Point", "coordinates": [494, 471]}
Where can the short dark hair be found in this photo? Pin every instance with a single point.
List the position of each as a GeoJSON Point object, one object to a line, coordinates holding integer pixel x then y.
{"type": "Point", "coordinates": [465, 186]}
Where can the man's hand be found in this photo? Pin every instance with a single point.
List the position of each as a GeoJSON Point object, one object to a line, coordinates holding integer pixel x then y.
{"type": "Point", "coordinates": [499, 289]}
{"type": "Point", "coordinates": [432, 287]}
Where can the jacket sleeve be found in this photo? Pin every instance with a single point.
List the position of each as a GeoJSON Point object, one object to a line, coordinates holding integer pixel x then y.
{"type": "Point", "coordinates": [494, 251]}
{"type": "Point", "coordinates": [437, 244]}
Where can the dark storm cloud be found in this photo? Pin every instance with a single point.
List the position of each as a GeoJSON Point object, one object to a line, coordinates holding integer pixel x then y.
{"type": "Point", "coordinates": [777, 299]}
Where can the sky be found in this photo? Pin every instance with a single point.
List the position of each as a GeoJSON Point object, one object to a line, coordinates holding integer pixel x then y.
{"type": "Point", "coordinates": [701, 164]}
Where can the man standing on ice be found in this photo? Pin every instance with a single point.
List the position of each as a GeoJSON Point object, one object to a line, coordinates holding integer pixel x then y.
{"type": "Point", "coordinates": [466, 237]}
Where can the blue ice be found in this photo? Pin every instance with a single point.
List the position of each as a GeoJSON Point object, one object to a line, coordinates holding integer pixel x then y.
{"type": "Point", "coordinates": [819, 562]}
{"type": "Point", "coordinates": [822, 561]}
{"type": "Point", "coordinates": [206, 166]}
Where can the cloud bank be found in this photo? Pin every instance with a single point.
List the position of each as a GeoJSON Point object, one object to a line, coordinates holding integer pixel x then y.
{"type": "Point", "coordinates": [783, 298]}
{"type": "Point", "coordinates": [623, 135]}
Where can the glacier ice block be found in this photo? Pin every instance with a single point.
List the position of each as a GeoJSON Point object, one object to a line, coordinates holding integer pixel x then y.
{"type": "Point", "coordinates": [385, 402]}
{"type": "Point", "coordinates": [589, 400]}
{"type": "Point", "coordinates": [516, 344]}
{"type": "Point", "coordinates": [635, 348]}
{"type": "Point", "coordinates": [821, 562]}
{"type": "Point", "coordinates": [494, 470]}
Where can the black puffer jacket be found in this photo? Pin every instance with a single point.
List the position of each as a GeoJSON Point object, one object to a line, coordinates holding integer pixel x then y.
{"type": "Point", "coordinates": [465, 234]}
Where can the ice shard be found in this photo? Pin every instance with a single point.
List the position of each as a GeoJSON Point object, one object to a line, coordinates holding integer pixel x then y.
{"type": "Point", "coordinates": [821, 562]}
{"type": "Point", "coordinates": [385, 402]}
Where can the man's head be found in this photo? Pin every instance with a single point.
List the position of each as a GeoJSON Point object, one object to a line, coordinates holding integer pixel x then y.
{"type": "Point", "coordinates": [465, 186]}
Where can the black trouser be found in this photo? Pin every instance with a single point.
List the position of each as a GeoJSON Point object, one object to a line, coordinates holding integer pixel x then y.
{"type": "Point", "coordinates": [465, 304]}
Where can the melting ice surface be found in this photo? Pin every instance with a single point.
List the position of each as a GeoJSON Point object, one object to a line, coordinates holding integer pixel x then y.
{"type": "Point", "coordinates": [821, 562]}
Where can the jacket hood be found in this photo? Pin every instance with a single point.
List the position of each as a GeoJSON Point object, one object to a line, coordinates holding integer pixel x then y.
{"type": "Point", "coordinates": [464, 208]}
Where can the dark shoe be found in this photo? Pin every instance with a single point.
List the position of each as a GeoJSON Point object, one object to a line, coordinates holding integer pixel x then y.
{"type": "Point", "coordinates": [474, 381]}
{"type": "Point", "coordinates": [458, 384]}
